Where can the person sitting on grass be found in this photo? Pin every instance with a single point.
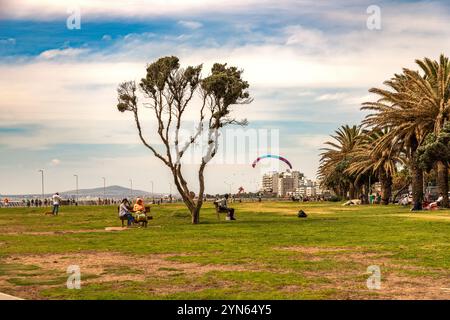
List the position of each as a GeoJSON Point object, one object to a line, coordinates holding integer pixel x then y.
{"type": "Point", "coordinates": [435, 205]}
{"type": "Point", "coordinates": [124, 213]}
{"type": "Point", "coordinates": [223, 206]}
{"type": "Point", "coordinates": [139, 210]}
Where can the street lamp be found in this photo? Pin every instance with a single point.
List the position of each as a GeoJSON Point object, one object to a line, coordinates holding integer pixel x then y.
{"type": "Point", "coordinates": [153, 195]}
{"type": "Point", "coordinates": [104, 187]}
{"type": "Point", "coordinates": [229, 185]}
{"type": "Point", "coordinates": [76, 184]}
{"type": "Point", "coordinates": [42, 182]}
{"type": "Point", "coordinates": [131, 188]}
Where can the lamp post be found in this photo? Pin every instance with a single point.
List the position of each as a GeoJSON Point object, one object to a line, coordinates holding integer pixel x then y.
{"type": "Point", "coordinates": [42, 183]}
{"type": "Point", "coordinates": [229, 185]}
{"type": "Point", "coordinates": [104, 187]}
{"type": "Point", "coordinates": [76, 185]}
{"type": "Point", "coordinates": [131, 188]}
{"type": "Point", "coordinates": [153, 195]}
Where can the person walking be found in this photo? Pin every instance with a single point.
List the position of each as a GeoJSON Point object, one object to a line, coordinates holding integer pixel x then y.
{"type": "Point", "coordinates": [56, 201]}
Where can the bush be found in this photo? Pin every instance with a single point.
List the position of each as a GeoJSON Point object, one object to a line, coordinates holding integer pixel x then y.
{"type": "Point", "coordinates": [335, 199]}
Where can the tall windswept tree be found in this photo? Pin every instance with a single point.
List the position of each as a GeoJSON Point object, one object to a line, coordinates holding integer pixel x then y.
{"type": "Point", "coordinates": [169, 90]}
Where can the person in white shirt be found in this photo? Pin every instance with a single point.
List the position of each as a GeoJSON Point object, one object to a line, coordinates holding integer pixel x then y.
{"type": "Point", "coordinates": [56, 202]}
{"type": "Point", "coordinates": [223, 205]}
{"type": "Point", "coordinates": [124, 212]}
{"type": "Point", "coordinates": [435, 205]}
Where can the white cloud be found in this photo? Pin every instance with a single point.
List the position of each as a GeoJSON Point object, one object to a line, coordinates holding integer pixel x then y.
{"type": "Point", "coordinates": [8, 41]}
{"type": "Point", "coordinates": [305, 37]}
{"type": "Point", "coordinates": [55, 9]}
{"type": "Point", "coordinates": [332, 96]}
{"type": "Point", "coordinates": [62, 53]}
{"type": "Point", "coordinates": [190, 24]}
{"type": "Point", "coordinates": [55, 162]}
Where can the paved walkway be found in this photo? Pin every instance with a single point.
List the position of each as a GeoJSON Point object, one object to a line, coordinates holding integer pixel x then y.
{"type": "Point", "coordinates": [4, 296]}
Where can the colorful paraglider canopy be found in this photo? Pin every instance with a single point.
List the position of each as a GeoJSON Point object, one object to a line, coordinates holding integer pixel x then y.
{"type": "Point", "coordinates": [272, 156]}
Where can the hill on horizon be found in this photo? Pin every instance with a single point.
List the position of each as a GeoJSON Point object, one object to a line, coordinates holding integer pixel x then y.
{"type": "Point", "coordinates": [114, 191]}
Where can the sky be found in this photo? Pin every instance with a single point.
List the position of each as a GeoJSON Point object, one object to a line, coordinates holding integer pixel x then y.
{"type": "Point", "coordinates": [309, 64]}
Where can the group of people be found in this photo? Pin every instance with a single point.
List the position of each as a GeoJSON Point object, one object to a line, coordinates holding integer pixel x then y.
{"type": "Point", "coordinates": [136, 214]}
{"type": "Point", "coordinates": [427, 203]}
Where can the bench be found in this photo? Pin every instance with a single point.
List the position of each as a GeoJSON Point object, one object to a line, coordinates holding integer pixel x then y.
{"type": "Point", "coordinates": [219, 210]}
{"type": "Point", "coordinates": [142, 223]}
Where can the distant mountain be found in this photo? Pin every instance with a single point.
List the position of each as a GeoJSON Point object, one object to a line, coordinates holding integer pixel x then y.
{"type": "Point", "coordinates": [109, 192]}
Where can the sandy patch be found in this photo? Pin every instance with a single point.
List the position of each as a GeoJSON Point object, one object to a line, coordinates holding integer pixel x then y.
{"type": "Point", "coordinates": [112, 267]}
{"type": "Point", "coordinates": [424, 216]}
{"type": "Point", "coordinates": [351, 283]}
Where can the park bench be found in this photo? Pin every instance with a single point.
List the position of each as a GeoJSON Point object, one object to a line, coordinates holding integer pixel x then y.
{"type": "Point", "coordinates": [219, 210]}
{"type": "Point", "coordinates": [142, 223]}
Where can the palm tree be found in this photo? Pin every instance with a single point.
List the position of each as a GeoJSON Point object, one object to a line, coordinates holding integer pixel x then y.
{"type": "Point", "coordinates": [398, 111]}
{"type": "Point", "coordinates": [336, 159]}
{"type": "Point", "coordinates": [382, 163]}
{"type": "Point", "coordinates": [434, 88]}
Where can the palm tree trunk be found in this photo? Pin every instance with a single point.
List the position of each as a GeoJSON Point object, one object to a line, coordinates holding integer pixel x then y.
{"type": "Point", "coordinates": [386, 188]}
{"type": "Point", "coordinates": [386, 191]}
{"type": "Point", "coordinates": [351, 191]}
{"type": "Point", "coordinates": [417, 186]}
{"type": "Point", "coordinates": [442, 182]}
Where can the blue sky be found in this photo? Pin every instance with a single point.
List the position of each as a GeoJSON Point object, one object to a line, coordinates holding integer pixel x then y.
{"type": "Point", "coordinates": [310, 65]}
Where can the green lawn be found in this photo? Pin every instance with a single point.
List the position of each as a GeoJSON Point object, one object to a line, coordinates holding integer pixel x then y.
{"type": "Point", "coordinates": [268, 253]}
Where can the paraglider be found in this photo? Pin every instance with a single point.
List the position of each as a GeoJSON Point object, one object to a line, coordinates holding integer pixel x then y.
{"type": "Point", "coordinates": [272, 156]}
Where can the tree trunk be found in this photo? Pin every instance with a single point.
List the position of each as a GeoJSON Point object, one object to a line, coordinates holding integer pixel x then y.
{"type": "Point", "coordinates": [386, 188]}
{"type": "Point", "coordinates": [442, 182]}
{"type": "Point", "coordinates": [195, 214]}
{"type": "Point", "coordinates": [417, 186]}
{"type": "Point", "coordinates": [351, 191]}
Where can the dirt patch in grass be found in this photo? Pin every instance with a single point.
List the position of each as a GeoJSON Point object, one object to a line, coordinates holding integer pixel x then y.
{"type": "Point", "coordinates": [350, 283]}
{"type": "Point", "coordinates": [112, 267]}
{"type": "Point", "coordinates": [96, 262]}
{"type": "Point", "coordinates": [423, 216]}
{"type": "Point", "coordinates": [314, 250]}
{"type": "Point", "coordinates": [52, 233]}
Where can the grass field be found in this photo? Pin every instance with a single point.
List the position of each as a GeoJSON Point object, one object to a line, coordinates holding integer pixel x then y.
{"type": "Point", "coordinates": [268, 253]}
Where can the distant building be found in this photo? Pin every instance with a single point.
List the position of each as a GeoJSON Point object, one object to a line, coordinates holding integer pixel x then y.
{"type": "Point", "coordinates": [310, 191]}
{"type": "Point", "coordinates": [285, 186]}
{"type": "Point", "coordinates": [292, 183]}
{"type": "Point", "coordinates": [282, 183]}
{"type": "Point", "coordinates": [270, 182]}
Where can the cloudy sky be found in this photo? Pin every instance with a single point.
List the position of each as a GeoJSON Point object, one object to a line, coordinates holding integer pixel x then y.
{"type": "Point", "coordinates": [309, 64]}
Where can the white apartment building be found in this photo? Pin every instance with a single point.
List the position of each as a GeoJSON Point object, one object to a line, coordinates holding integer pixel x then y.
{"type": "Point", "coordinates": [282, 183]}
